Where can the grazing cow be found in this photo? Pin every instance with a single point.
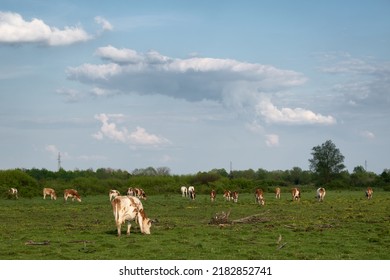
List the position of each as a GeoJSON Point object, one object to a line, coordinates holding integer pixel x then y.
{"type": "Point", "coordinates": [130, 208]}
{"type": "Point", "coordinates": [49, 191]}
{"type": "Point", "coordinates": [112, 194]}
{"type": "Point", "coordinates": [13, 192]}
{"type": "Point", "coordinates": [184, 191]}
{"type": "Point", "coordinates": [259, 195]}
{"type": "Point", "coordinates": [277, 193]}
{"type": "Point", "coordinates": [140, 193]}
{"type": "Point", "coordinates": [213, 195]}
{"type": "Point", "coordinates": [191, 192]}
{"type": "Point", "coordinates": [131, 192]}
{"type": "Point", "coordinates": [235, 196]}
{"type": "Point", "coordinates": [321, 194]}
{"type": "Point", "coordinates": [296, 194]}
{"type": "Point", "coordinates": [71, 193]}
{"type": "Point", "coordinates": [227, 195]}
{"type": "Point", "coordinates": [369, 193]}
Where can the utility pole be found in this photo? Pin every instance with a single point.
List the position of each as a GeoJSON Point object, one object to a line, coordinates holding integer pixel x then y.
{"type": "Point", "coordinates": [59, 161]}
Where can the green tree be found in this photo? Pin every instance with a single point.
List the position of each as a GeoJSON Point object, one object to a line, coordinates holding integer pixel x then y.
{"type": "Point", "coordinates": [327, 162]}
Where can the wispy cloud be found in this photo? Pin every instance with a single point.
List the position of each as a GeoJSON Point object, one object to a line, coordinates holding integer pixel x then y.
{"type": "Point", "coordinates": [105, 24]}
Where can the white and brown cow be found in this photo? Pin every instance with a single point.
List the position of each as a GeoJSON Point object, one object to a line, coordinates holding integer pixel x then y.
{"type": "Point", "coordinates": [112, 194]}
{"type": "Point", "coordinates": [130, 208]}
{"type": "Point", "coordinates": [277, 193]}
{"type": "Point", "coordinates": [213, 195]}
{"type": "Point", "coordinates": [191, 192]}
{"type": "Point", "coordinates": [321, 192]}
{"type": "Point", "coordinates": [131, 192]}
{"type": "Point", "coordinates": [235, 196]}
{"type": "Point", "coordinates": [72, 194]}
{"type": "Point", "coordinates": [296, 194]}
{"type": "Point", "coordinates": [140, 193]}
{"type": "Point", "coordinates": [13, 192]}
{"type": "Point", "coordinates": [369, 193]}
{"type": "Point", "coordinates": [49, 191]}
{"type": "Point", "coordinates": [227, 195]}
{"type": "Point", "coordinates": [184, 191]}
{"type": "Point", "coordinates": [259, 195]}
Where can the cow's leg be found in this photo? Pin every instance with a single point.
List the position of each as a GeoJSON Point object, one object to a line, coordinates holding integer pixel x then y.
{"type": "Point", "coordinates": [128, 227]}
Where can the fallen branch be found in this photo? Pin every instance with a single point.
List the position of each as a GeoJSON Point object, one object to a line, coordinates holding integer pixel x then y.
{"type": "Point", "coordinates": [30, 242]}
{"type": "Point", "coordinates": [252, 219]}
{"type": "Point", "coordinates": [80, 241]}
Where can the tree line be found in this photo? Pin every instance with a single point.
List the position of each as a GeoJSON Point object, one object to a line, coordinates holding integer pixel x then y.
{"type": "Point", "coordinates": [326, 168]}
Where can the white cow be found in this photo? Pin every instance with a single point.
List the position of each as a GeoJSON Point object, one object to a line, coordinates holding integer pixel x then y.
{"type": "Point", "coordinates": [13, 192]}
{"type": "Point", "coordinates": [184, 191]}
{"type": "Point", "coordinates": [130, 208]}
{"type": "Point", "coordinates": [321, 194]}
{"type": "Point", "coordinates": [191, 192]}
{"type": "Point", "coordinates": [49, 191]}
{"type": "Point", "coordinates": [113, 193]}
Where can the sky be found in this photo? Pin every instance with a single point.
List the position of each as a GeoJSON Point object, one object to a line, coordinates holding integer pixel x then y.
{"type": "Point", "coordinates": [193, 85]}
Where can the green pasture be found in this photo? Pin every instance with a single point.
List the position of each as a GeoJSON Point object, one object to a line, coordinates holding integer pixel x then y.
{"type": "Point", "coordinates": [346, 226]}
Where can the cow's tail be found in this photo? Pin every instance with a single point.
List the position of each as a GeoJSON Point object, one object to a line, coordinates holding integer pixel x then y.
{"type": "Point", "coordinates": [115, 209]}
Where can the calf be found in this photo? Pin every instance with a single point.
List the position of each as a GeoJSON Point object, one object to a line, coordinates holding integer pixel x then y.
{"type": "Point", "coordinates": [71, 193]}
{"type": "Point", "coordinates": [296, 194]}
{"type": "Point", "coordinates": [49, 191]}
{"type": "Point", "coordinates": [130, 208]}
{"type": "Point", "coordinates": [112, 194]}
{"type": "Point", "coordinates": [369, 193]}
{"type": "Point", "coordinates": [259, 195]}
{"type": "Point", "coordinates": [13, 192]}
{"type": "Point", "coordinates": [321, 194]}
{"type": "Point", "coordinates": [277, 193]}
{"type": "Point", "coordinates": [213, 195]}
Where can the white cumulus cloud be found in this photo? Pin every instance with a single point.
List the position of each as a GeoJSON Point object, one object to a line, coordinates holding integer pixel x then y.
{"type": "Point", "coordinates": [16, 30]}
{"type": "Point", "coordinates": [285, 115]}
{"type": "Point", "coordinates": [272, 140]}
{"type": "Point", "coordinates": [139, 136]}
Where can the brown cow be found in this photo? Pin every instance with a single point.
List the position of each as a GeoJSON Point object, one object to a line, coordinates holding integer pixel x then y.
{"type": "Point", "coordinates": [71, 193]}
{"type": "Point", "coordinates": [235, 196]}
{"type": "Point", "coordinates": [296, 194]}
{"type": "Point", "coordinates": [369, 193]}
{"type": "Point", "coordinates": [277, 193]}
{"type": "Point", "coordinates": [227, 195]}
{"type": "Point", "coordinates": [259, 195]}
{"type": "Point", "coordinates": [49, 191]}
{"type": "Point", "coordinates": [130, 208]}
{"type": "Point", "coordinates": [213, 195]}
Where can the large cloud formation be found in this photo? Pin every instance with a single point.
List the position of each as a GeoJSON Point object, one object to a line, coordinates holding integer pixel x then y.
{"type": "Point", "coordinates": [228, 81]}
{"type": "Point", "coordinates": [16, 30]}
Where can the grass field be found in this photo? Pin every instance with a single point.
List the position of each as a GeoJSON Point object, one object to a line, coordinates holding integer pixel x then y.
{"type": "Point", "coordinates": [346, 226]}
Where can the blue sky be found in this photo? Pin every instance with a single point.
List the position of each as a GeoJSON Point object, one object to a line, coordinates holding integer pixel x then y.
{"type": "Point", "coordinates": [193, 85]}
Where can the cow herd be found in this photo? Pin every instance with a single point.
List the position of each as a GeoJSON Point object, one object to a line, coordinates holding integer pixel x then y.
{"type": "Point", "coordinates": [129, 207]}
